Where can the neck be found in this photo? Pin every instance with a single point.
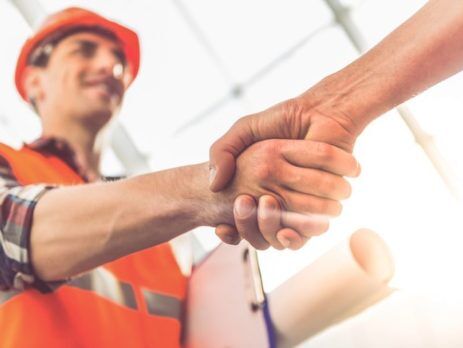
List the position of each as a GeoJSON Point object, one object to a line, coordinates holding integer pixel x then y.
{"type": "Point", "coordinates": [85, 142]}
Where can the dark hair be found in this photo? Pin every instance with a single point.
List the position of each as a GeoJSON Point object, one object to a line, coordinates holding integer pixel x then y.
{"type": "Point", "coordinates": [41, 53]}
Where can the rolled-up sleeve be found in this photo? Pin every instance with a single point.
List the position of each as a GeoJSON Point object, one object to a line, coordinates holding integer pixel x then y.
{"type": "Point", "coordinates": [17, 205]}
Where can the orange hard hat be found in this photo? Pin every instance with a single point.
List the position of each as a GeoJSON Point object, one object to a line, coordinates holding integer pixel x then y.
{"type": "Point", "coordinates": [78, 17]}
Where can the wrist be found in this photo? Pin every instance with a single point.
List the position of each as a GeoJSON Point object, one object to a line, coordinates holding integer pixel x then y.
{"type": "Point", "coordinates": [206, 207]}
{"type": "Point", "coordinates": [340, 99]}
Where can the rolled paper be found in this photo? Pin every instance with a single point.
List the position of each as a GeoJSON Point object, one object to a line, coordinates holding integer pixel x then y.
{"type": "Point", "coordinates": [346, 280]}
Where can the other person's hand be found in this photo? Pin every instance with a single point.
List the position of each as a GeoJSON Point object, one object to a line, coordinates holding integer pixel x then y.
{"type": "Point", "coordinates": [293, 119]}
{"type": "Point", "coordinates": [305, 180]}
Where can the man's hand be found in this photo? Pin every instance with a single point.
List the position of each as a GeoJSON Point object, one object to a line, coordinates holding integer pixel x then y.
{"type": "Point", "coordinates": [305, 177]}
{"type": "Point", "coordinates": [293, 119]}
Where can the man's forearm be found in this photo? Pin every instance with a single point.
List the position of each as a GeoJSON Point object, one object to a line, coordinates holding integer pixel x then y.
{"type": "Point", "coordinates": [78, 228]}
{"type": "Point", "coordinates": [423, 51]}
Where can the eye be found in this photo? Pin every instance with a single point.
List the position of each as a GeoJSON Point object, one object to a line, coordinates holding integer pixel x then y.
{"type": "Point", "coordinates": [86, 49]}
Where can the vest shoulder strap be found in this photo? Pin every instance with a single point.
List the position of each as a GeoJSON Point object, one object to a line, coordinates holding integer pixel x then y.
{"type": "Point", "coordinates": [31, 167]}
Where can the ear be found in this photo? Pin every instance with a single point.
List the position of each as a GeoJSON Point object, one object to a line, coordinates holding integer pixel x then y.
{"type": "Point", "coordinates": [33, 83]}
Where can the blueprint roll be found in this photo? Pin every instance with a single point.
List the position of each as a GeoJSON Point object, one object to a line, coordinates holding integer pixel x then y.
{"type": "Point", "coordinates": [341, 283]}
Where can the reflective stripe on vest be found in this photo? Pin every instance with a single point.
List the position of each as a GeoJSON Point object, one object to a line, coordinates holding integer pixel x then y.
{"type": "Point", "coordinates": [162, 305]}
{"type": "Point", "coordinates": [134, 301]}
{"type": "Point", "coordinates": [106, 285]}
{"type": "Point", "coordinates": [109, 287]}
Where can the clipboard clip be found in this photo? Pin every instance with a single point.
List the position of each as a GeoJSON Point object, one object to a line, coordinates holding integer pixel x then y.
{"type": "Point", "coordinates": [255, 278]}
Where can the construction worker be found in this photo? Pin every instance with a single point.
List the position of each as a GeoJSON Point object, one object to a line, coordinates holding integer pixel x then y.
{"type": "Point", "coordinates": [423, 51]}
{"type": "Point", "coordinates": [84, 263]}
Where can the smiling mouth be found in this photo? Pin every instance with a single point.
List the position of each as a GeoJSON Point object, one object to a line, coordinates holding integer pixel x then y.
{"type": "Point", "coordinates": [103, 88]}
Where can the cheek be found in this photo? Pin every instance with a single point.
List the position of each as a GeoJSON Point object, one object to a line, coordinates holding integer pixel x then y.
{"type": "Point", "coordinates": [61, 86]}
{"type": "Point", "coordinates": [65, 82]}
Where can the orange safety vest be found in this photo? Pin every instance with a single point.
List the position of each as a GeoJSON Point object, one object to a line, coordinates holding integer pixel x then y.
{"type": "Point", "coordinates": [135, 301]}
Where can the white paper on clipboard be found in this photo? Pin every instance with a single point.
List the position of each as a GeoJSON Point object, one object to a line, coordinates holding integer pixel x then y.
{"type": "Point", "coordinates": [223, 306]}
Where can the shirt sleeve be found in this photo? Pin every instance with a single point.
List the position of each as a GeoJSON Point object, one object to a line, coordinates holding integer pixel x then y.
{"type": "Point", "coordinates": [17, 204]}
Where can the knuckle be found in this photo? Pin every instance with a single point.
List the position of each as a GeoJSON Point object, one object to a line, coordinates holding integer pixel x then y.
{"type": "Point", "coordinates": [327, 184]}
{"type": "Point", "coordinates": [263, 172]}
{"type": "Point", "coordinates": [265, 155]}
{"type": "Point", "coordinates": [302, 204]}
{"type": "Point", "coordinates": [291, 178]}
{"type": "Point", "coordinates": [325, 151]}
{"type": "Point", "coordinates": [327, 207]}
{"type": "Point", "coordinates": [269, 148]}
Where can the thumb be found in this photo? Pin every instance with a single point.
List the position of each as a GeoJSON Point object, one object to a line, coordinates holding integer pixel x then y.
{"type": "Point", "coordinates": [281, 121]}
{"type": "Point", "coordinates": [224, 151]}
{"type": "Point", "coordinates": [221, 169]}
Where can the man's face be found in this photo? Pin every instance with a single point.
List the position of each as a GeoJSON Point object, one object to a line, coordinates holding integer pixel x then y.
{"type": "Point", "coordinates": [84, 77]}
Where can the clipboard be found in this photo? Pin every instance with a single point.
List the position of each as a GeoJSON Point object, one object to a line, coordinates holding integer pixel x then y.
{"type": "Point", "coordinates": [226, 305]}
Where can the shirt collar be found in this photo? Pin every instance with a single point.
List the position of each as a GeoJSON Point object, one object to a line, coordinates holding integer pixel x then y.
{"type": "Point", "coordinates": [59, 148]}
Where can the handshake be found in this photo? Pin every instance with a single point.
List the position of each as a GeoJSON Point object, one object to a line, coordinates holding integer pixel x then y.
{"type": "Point", "coordinates": [283, 171]}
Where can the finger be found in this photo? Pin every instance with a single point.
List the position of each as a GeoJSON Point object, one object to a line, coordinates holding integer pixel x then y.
{"type": "Point", "coordinates": [245, 212]}
{"type": "Point", "coordinates": [315, 182]}
{"type": "Point", "coordinates": [268, 124]}
{"type": "Point", "coordinates": [228, 234]}
{"type": "Point", "coordinates": [306, 225]}
{"type": "Point", "coordinates": [268, 220]}
{"type": "Point", "coordinates": [221, 171]}
{"type": "Point", "coordinates": [291, 239]}
{"type": "Point", "coordinates": [312, 154]}
{"type": "Point", "coordinates": [308, 204]}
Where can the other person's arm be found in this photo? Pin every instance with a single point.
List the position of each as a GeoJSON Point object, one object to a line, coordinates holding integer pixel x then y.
{"type": "Point", "coordinates": [424, 50]}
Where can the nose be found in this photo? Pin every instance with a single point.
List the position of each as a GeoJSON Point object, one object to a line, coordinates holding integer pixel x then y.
{"type": "Point", "coordinates": [107, 63]}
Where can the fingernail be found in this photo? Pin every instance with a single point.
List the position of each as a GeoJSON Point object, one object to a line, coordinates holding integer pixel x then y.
{"type": "Point", "coordinates": [243, 208]}
{"type": "Point", "coordinates": [212, 173]}
{"type": "Point", "coordinates": [284, 241]}
{"type": "Point", "coordinates": [229, 239]}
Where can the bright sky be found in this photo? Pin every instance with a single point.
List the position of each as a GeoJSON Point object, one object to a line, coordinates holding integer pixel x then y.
{"type": "Point", "coordinates": [399, 194]}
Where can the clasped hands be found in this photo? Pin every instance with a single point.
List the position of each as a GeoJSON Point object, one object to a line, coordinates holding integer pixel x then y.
{"type": "Point", "coordinates": [286, 168]}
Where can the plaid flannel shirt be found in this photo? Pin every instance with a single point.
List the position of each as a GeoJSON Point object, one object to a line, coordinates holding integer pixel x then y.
{"type": "Point", "coordinates": [17, 205]}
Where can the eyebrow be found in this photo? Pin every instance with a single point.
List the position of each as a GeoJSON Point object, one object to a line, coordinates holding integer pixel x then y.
{"type": "Point", "coordinates": [83, 42]}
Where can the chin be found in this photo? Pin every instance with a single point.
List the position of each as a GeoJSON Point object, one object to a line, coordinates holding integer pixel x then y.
{"type": "Point", "coordinates": [98, 116]}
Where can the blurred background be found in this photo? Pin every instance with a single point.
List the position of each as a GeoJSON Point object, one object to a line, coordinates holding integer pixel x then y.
{"type": "Point", "coordinates": [206, 63]}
